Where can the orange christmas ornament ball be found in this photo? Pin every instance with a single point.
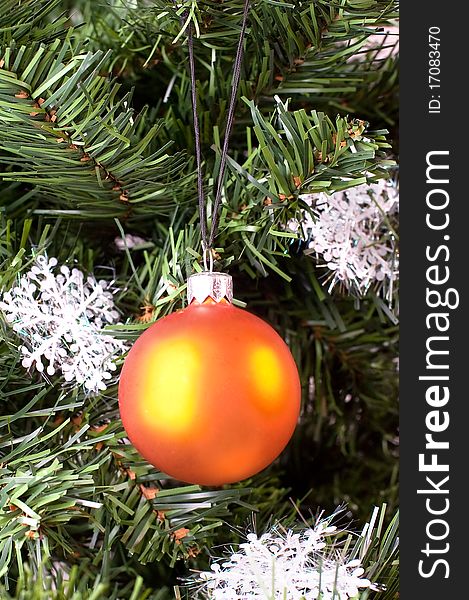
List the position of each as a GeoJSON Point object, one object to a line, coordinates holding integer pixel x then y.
{"type": "Point", "coordinates": [210, 394]}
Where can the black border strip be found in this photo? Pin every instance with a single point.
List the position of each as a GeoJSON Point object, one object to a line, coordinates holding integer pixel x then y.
{"type": "Point", "coordinates": [434, 273]}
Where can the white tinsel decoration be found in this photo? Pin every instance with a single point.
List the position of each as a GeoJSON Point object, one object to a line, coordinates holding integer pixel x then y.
{"type": "Point", "coordinates": [350, 234]}
{"type": "Point", "coordinates": [130, 241]}
{"type": "Point", "coordinates": [60, 319]}
{"type": "Point", "coordinates": [288, 566]}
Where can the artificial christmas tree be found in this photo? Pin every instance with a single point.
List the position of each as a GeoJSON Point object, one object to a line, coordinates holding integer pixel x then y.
{"type": "Point", "coordinates": [100, 231]}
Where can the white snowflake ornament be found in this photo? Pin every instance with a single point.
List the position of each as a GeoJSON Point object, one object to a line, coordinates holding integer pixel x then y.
{"type": "Point", "coordinates": [284, 566]}
{"type": "Point", "coordinates": [60, 315]}
{"type": "Point", "coordinates": [350, 235]}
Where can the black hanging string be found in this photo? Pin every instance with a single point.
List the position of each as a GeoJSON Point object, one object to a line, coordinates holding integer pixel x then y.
{"type": "Point", "coordinates": [208, 238]}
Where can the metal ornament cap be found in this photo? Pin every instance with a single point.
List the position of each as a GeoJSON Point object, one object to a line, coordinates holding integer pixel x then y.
{"type": "Point", "coordinates": [210, 284]}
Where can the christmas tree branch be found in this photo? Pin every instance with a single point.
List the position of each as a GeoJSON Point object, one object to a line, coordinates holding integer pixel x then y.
{"type": "Point", "coordinates": [67, 134]}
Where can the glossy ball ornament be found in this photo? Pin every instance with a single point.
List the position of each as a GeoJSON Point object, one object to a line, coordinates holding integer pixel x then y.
{"type": "Point", "coordinates": [209, 394]}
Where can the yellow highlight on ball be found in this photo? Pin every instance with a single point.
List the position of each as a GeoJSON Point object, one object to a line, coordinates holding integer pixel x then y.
{"type": "Point", "coordinates": [266, 372]}
{"type": "Point", "coordinates": [170, 391]}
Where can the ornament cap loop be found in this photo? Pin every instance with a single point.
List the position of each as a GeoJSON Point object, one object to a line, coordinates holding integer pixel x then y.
{"type": "Point", "coordinates": [208, 259]}
{"type": "Point", "coordinates": [210, 284]}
